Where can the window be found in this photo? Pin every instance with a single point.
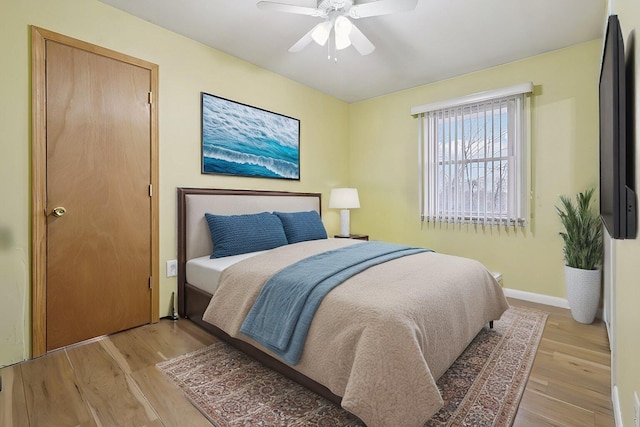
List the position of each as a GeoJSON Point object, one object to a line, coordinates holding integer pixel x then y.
{"type": "Point", "coordinates": [472, 158]}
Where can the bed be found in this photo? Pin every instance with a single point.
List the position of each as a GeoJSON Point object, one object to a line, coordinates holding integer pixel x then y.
{"type": "Point", "coordinates": [377, 343]}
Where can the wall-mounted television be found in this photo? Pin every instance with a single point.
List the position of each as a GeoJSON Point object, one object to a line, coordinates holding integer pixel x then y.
{"type": "Point", "coordinates": [617, 169]}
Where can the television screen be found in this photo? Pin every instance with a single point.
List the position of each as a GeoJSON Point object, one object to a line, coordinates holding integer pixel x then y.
{"type": "Point", "coordinates": [617, 200]}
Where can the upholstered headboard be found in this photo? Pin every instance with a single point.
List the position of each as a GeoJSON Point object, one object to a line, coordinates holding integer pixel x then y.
{"type": "Point", "coordinates": [193, 233]}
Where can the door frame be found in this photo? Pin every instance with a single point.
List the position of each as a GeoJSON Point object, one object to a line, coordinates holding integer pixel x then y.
{"type": "Point", "coordinates": [39, 36]}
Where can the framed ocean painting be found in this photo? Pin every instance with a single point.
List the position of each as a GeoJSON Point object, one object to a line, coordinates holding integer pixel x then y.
{"type": "Point", "coordinates": [242, 140]}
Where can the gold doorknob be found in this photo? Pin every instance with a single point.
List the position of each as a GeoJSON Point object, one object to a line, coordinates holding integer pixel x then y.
{"type": "Point", "coordinates": [59, 211]}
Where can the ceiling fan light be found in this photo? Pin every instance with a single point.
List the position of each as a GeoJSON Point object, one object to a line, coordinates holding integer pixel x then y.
{"type": "Point", "coordinates": [321, 33]}
{"type": "Point", "coordinates": [343, 29]}
{"type": "Point", "coordinates": [342, 42]}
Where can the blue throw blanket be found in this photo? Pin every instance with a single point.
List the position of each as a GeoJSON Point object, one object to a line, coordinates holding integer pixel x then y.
{"type": "Point", "coordinates": [281, 315]}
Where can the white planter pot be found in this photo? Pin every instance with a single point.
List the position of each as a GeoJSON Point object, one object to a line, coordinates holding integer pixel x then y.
{"type": "Point", "coordinates": [583, 292]}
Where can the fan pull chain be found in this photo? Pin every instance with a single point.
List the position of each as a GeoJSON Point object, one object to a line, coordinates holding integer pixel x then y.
{"type": "Point", "coordinates": [335, 51]}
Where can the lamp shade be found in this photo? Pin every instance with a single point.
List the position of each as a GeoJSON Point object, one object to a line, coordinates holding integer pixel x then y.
{"type": "Point", "coordinates": [344, 198]}
{"type": "Point", "coordinates": [343, 28]}
{"type": "Point", "coordinates": [320, 33]}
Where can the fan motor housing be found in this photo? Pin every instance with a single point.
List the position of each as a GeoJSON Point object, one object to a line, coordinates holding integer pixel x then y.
{"type": "Point", "coordinates": [329, 5]}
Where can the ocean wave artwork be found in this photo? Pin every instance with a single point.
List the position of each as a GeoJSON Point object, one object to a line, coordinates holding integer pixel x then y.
{"type": "Point", "coordinates": [238, 139]}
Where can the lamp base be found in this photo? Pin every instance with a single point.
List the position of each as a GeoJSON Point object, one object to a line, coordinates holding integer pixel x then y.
{"type": "Point", "coordinates": [344, 222]}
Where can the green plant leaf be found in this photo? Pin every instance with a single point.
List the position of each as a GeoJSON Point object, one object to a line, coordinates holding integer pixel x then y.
{"type": "Point", "coordinates": [582, 235]}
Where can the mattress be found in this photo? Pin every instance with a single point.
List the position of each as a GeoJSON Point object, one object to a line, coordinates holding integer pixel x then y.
{"type": "Point", "coordinates": [204, 272]}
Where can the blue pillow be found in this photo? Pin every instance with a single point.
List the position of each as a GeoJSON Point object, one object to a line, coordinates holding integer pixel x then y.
{"type": "Point", "coordinates": [302, 226]}
{"type": "Point", "coordinates": [240, 234]}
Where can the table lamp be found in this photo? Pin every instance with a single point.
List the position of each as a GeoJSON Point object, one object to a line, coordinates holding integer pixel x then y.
{"type": "Point", "coordinates": [344, 199]}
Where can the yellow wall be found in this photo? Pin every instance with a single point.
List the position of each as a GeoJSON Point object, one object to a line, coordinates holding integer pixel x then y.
{"type": "Point", "coordinates": [564, 141]}
{"type": "Point", "coordinates": [627, 252]}
{"type": "Point", "coordinates": [186, 69]}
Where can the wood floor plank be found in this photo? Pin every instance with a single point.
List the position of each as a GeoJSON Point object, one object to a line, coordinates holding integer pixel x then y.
{"type": "Point", "coordinates": [170, 402]}
{"type": "Point", "coordinates": [112, 395]}
{"type": "Point", "coordinates": [13, 405]}
{"type": "Point", "coordinates": [604, 420]}
{"type": "Point", "coordinates": [131, 351]}
{"type": "Point", "coordinates": [52, 394]}
{"type": "Point", "coordinates": [556, 412]}
{"type": "Point", "coordinates": [536, 383]}
{"type": "Point", "coordinates": [568, 331]}
{"type": "Point", "coordinates": [171, 339]}
{"type": "Point", "coordinates": [572, 371]}
{"type": "Point", "coordinates": [195, 331]}
{"type": "Point", "coordinates": [549, 309]}
{"type": "Point", "coordinates": [597, 356]}
{"type": "Point", "coordinates": [526, 418]}
{"type": "Point", "coordinates": [581, 396]}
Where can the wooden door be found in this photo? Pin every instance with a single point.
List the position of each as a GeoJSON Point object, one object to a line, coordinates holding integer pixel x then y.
{"type": "Point", "coordinates": [98, 205]}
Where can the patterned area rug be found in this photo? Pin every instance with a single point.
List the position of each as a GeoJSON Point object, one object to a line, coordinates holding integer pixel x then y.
{"type": "Point", "coordinates": [482, 388]}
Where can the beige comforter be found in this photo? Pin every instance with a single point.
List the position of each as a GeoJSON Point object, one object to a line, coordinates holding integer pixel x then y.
{"type": "Point", "coordinates": [383, 337]}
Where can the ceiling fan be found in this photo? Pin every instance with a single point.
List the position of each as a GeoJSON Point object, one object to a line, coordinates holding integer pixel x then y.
{"type": "Point", "coordinates": [336, 14]}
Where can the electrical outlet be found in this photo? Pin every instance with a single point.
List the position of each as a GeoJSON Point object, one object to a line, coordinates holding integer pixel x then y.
{"type": "Point", "coordinates": [172, 268]}
{"type": "Point", "coordinates": [636, 406]}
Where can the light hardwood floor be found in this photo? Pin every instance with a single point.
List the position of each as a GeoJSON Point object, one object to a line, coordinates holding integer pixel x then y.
{"type": "Point", "coordinates": [570, 382]}
{"type": "Point", "coordinates": [112, 381]}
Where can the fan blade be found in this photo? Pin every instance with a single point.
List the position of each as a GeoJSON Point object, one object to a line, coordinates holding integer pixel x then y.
{"type": "Point", "coordinates": [360, 41]}
{"type": "Point", "coordinates": [381, 7]}
{"type": "Point", "coordinates": [289, 8]}
{"type": "Point", "coordinates": [304, 41]}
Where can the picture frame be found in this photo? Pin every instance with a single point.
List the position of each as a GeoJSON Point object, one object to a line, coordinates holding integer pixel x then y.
{"type": "Point", "coordinates": [242, 140]}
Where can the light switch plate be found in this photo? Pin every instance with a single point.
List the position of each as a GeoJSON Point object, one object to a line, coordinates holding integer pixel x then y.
{"type": "Point", "coordinates": [172, 268]}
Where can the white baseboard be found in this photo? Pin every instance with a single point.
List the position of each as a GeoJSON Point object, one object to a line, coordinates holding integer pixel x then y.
{"type": "Point", "coordinates": [537, 298]}
{"type": "Point", "coordinates": [617, 412]}
{"type": "Point", "coordinates": [544, 299]}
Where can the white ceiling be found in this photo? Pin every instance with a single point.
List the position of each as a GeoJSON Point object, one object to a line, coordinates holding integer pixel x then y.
{"type": "Point", "coordinates": [438, 40]}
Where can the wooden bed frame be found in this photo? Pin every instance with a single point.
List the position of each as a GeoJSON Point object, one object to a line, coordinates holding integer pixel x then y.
{"type": "Point", "coordinates": [194, 241]}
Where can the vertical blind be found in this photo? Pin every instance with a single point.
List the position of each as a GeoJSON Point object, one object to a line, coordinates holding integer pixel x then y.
{"type": "Point", "coordinates": [472, 161]}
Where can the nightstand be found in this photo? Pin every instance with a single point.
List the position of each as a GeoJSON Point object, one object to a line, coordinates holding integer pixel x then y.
{"type": "Point", "coordinates": [498, 276]}
{"type": "Point", "coordinates": [353, 236]}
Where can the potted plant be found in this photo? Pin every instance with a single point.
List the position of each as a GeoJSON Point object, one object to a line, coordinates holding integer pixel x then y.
{"type": "Point", "coordinates": [583, 250]}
